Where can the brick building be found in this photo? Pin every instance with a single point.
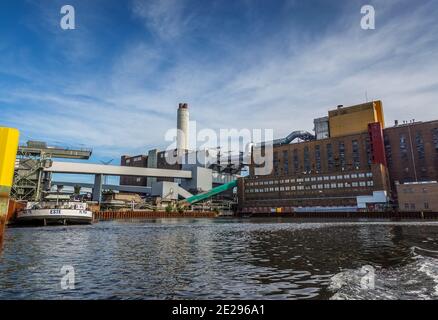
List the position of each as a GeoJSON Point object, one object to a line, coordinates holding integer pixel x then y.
{"type": "Point", "coordinates": [345, 170]}
{"type": "Point", "coordinates": [418, 196]}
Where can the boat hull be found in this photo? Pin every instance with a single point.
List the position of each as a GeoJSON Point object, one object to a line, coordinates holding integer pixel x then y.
{"type": "Point", "coordinates": [54, 216]}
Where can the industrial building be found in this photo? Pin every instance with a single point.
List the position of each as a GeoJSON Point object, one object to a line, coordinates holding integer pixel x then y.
{"type": "Point", "coordinates": [351, 163]}
{"type": "Point", "coordinates": [412, 152]}
{"type": "Point", "coordinates": [221, 171]}
{"type": "Point", "coordinates": [418, 196]}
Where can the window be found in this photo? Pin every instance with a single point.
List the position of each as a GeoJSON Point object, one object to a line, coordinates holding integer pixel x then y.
{"type": "Point", "coordinates": [413, 206]}
{"type": "Point", "coordinates": [333, 185]}
{"type": "Point", "coordinates": [361, 175]}
{"type": "Point", "coordinates": [340, 185]}
{"type": "Point", "coordinates": [318, 158]}
{"type": "Point", "coordinates": [326, 178]}
{"type": "Point", "coordinates": [426, 205]}
{"type": "Point", "coordinates": [435, 138]}
{"type": "Point", "coordinates": [327, 186]}
{"type": "Point", "coordinates": [388, 150]}
{"type": "Point", "coordinates": [342, 154]}
{"type": "Point", "coordinates": [128, 161]}
{"type": "Point", "coordinates": [306, 179]}
{"type": "Point", "coordinates": [138, 179]}
{"type": "Point", "coordinates": [356, 155]}
{"type": "Point", "coordinates": [340, 177]}
{"type": "Point", "coordinates": [362, 184]}
{"type": "Point", "coordinates": [286, 162]}
{"type": "Point", "coordinates": [296, 161]}
{"type": "Point", "coordinates": [346, 176]}
{"type": "Point", "coordinates": [369, 175]}
{"type": "Point", "coordinates": [276, 163]}
{"type": "Point", "coordinates": [330, 159]}
{"type": "Point", "coordinates": [355, 184]}
{"type": "Point", "coordinates": [313, 179]}
{"type": "Point", "coordinates": [354, 176]}
{"type": "Point", "coordinates": [306, 159]}
{"type": "Point", "coordinates": [333, 178]}
{"type": "Point", "coordinates": [370, 183]}
{"type": "Point", "coordinates": [403, 147]}
{"type": "Point", "coordinates": [406, 205]}
{"type": "Point", "coordinates": [420, 145]}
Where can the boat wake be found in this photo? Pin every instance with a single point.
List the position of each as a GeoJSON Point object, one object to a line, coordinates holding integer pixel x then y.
{"type": "Point", "coordinates": [417, 280]}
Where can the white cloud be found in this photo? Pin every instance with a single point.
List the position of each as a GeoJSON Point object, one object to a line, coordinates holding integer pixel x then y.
{"type": "Point", "coordinates": [270, 83]}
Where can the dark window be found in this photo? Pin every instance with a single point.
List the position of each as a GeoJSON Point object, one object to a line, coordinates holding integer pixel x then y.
{"type": "Point", "coordinates": [388, 150]}
{"type": "Point", "coordinates": [435, 138]}
{"type": "Point", "coordinates": [306, 159]}
{"type": "Point", "coordinates": [286, 162]}
{"type": "Point", "coordinates": [403, 147]}
{"type": "Point", "coordinates": [296, 161]}
{"type": "Point", "coordinates": [318, 158]}
{"type": "Point", "coordinates": [330, 159]}
{"type": "Point", "coordinates": [356, 155]}
{"type": "Point", "coordinates": [342, 154]}
{"type": "Point", "coordinates": [276, 169]}
{"type": "Point", "coordinates": [420, 145]}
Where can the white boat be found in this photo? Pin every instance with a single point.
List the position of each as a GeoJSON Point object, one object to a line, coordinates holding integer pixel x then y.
{"type": "Point", "coordinates": [68, 212]}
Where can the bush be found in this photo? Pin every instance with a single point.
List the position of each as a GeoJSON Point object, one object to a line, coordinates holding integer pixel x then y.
{"type": "Point", "coordinates": [181, 209]}
{"type": "Point", "coordinates": [169, 209]}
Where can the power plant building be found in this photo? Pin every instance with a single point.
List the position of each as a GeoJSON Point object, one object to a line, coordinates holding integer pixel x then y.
{"type": "Point", "coordinates": [351, 164]}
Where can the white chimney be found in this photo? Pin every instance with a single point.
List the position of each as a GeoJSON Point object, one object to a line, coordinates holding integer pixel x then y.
{"type": "Point", "coordinates": [183, 127]}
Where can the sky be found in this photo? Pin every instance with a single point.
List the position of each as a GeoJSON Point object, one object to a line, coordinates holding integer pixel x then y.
{"type": "Point", "coordinates": [114, 83]}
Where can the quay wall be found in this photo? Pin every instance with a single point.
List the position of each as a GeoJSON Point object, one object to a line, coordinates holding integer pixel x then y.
{"type": "Point", "coordinates": [349, 215]}
{"type": "Point", "coordinates": [113, 215]}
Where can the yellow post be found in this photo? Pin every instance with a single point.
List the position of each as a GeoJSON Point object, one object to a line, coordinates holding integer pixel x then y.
{"type": "Point", "coordinates": [8, 153]}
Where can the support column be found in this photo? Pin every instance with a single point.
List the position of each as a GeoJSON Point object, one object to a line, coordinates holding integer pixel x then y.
{"type": "Point", "coordinates": [97, 189]}
{"type": "Point", "coordinates": [8, 152]}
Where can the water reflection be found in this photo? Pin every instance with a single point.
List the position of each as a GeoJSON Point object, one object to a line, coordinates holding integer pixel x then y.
{"type": "Point", "coordinates": [203, 259]}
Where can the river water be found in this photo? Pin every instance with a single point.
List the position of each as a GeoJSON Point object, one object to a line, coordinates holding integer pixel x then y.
{"type": "Point", "coordinates": [222, 259]}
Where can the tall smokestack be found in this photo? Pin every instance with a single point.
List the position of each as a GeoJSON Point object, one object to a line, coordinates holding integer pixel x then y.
{"type": "Point", "coordinates": [183, 127]}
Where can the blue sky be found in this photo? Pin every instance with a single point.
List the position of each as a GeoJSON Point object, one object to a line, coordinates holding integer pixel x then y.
{"type": "Point", "coordinates": [114, 83]}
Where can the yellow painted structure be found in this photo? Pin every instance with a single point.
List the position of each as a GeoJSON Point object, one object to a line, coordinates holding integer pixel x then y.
{"type": "Point", "coordinates": [8, 153]}
{"type": "Point", "coordinates": [355, 119]}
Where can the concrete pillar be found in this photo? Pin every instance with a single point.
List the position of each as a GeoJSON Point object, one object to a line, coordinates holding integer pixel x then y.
{"type": "Point", "coordinates": [97, 189]}
{"type": "Point", "coordinates": [8, 151]}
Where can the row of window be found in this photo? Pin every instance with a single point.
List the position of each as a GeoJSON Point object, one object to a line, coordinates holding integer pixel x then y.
{"type": "Point", "coordinates": [412, 206]}
{"type": "Point", "coordinates": [133, 159]}
{"type": "Point", "coordinates": [311, 179]}
{"type": "Point", "coordinates": [338, 185]}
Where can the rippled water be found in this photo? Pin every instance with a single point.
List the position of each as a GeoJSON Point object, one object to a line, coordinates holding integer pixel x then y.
{"type": "Point", "coordinates": [222, 259]}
